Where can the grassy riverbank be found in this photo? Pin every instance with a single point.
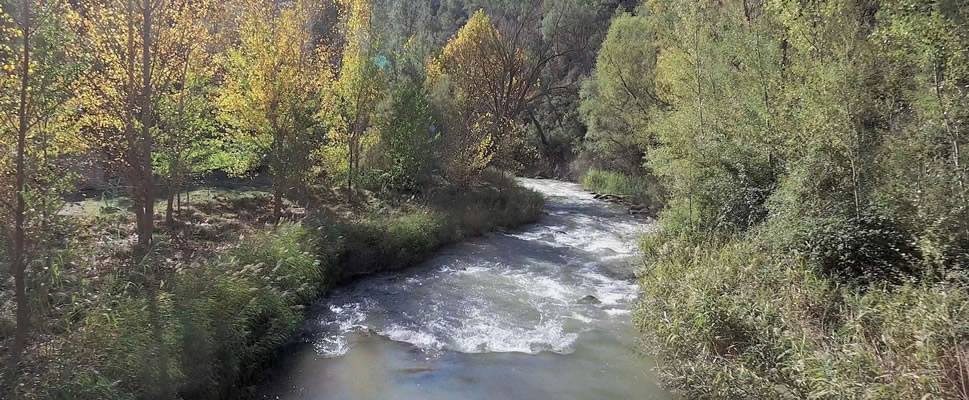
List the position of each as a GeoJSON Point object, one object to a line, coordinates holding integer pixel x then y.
{"type": "Point", "coordinates": [740, 320]}
{"type": "Point", "coordinates": [635, 189]}
{"type": "Point", "coordinates": [220, 314]}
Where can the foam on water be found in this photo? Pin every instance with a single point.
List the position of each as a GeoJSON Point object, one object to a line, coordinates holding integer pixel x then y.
{"type": "Point", "coordinates": [484, 337]}
{"type": "Point", "coordinates": [519, 292]}
{"type": "Point", "coordinates": [423, 340]}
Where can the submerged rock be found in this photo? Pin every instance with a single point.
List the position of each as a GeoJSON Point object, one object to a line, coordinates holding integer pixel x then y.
{"type": "Point", "coordinates": [590, 299]}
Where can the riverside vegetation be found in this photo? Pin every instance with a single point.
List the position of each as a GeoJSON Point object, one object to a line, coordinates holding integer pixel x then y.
{"type": "Point", "coordinates": [241, 157]}
{"type": "Point", "coordinates": [291, 146]}
{"type": "Point", "coordinates": [815, 236]}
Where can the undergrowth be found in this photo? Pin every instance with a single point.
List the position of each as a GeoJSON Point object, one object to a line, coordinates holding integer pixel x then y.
{"type": "Point", "coordinates": [733, 321]}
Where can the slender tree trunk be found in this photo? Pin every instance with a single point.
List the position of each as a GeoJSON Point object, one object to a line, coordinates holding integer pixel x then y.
{"type": "Point", "coordinates": [147, 179]}
{"type": "Point", "coordinates": [854, 186]}
{"type": "Point", "coordinates": [953, 136]}
{"type": "Point", "coordinates": [541, 133]}
{"type": "Point", "coordinates": [131, 153]}
{"type": "Point", "coordinates": [277, 171]}
{"type": "Point", "coordinates": [277, 202]}
{"type": "Point", "coordinates": [170, 208]}
{"type": "Point", "coordinates": [175, 169]}
{"type": "Point", "coordinates": [19, 265]}
{"type": "Point", "coordinates": [148, 193]}
{"type": "Point", "coordinates": [350, 169]}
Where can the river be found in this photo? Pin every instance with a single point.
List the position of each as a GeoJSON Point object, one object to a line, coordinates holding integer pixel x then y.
{"type": "Point", "coordinates": [540, 313]}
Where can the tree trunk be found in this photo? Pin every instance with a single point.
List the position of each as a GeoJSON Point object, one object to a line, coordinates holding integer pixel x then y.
{"type": "Point", "coordinates": [147, 178]}
{"type": "Point", "coordinates": [277, 203]}
{"type": "Point", "coordinates": [953, 136]}
{"type": "Point", "coordinates": [854, 186]}
{"type": "Point", "coordinates": [170, 208]}
{"type": "Point", "coordinates": [18, 259]}
{"type": "Point", "coordinates": [541, 133]}
{"type": "Point", "coordinates": [147, 223]}
{"type": "Point", "coordinates": [350, 170]}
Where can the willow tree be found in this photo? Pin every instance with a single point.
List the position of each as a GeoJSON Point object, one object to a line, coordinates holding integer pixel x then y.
{"type": "Point", "coordinates": [929, 163]}
{"type": "Point", "coordinates": [489, 86]}
{"type": "Point", "coordinates": [621, 96]}
{"type": "Point", "coordinates": [274, 77]}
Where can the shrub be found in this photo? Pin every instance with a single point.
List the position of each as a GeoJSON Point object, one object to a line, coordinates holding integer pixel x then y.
{"type": "Point", "coordinates": [732, 321]}
{"type": "Point", "coordinates": [405, 130]}
{"type": "Point", "coordinates": [860, 249]}
{"type": "Point", "coordinates": [218, 323]}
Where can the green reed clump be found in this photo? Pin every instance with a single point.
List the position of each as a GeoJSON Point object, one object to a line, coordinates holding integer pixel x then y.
{"type": "Point", "coordinates": [383, 243]}
{"type": "Point", "coordinates": [636, 189]}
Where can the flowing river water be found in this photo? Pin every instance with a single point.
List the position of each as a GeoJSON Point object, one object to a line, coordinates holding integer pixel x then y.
{"type": "Point", "coordinates": [540, 313]}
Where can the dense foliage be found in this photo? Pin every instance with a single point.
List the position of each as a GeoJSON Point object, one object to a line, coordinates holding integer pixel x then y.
{"type": "Point", "coordinates": [814, 242]}
{"type": "Point", "coordinates": [809, 157]}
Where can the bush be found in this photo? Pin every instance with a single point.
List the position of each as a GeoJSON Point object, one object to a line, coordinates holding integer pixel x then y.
{"type": "Point", "coordinates": [860, 249]}
{"type": "Point", "coordinates": [732, 321]}
{"type": "Point", "coordinates": [218, 323]}
{"type": "Point", "coordinates": [380, 244]}
{"type": "Point", "coordinates": [404, 124]}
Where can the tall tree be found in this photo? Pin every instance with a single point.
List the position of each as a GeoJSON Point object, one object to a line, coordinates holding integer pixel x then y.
{"type": "Point", "coordinates": [359, 84]}
{"type": "Point", "coordinates": [274, 80]}
{"type": "Point", "coordinates": [621, 95]}
{"type": "Point", "coordinates": [134, 48]}
{"type": "Point", "coordinates": [502, 82]}
{"type": "Point", "coordinates": [41, 76]}
{"type": "Point", "coordinates": [186, 134]}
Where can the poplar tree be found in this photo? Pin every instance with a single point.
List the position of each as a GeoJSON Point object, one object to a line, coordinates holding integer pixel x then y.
{"type": "Point", "coordinates": [274, 79]}
{"type": "Point", "coordinates": [39, 79]}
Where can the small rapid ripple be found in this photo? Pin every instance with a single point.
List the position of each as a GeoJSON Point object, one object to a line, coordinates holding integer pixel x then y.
{"type": "Point", "coordinates": [542, 312]}
{"type": "Point", "coordinates": [525, 292]}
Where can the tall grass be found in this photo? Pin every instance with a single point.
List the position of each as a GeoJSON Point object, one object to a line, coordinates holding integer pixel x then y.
{"type": "Point", "coordinates": [383, 243]}
{"type": "Point", "coordinates": [732, 321]}
{"type": "Point", "coordinates": [218, 322]}
{"type": "Point", "coordinates": [636, 189]}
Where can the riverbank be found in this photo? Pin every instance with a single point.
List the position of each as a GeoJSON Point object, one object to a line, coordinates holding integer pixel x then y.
{"type": "Point", "coordinates": [219, 314]}
{"type": "Point", "coordinates": [635, 193]}
{"type": "Point", "coordinates": [740, 319]}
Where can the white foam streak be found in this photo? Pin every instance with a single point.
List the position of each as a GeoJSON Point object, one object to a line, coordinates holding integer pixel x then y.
{"type": "Point", "coordinates": [525, 292]}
